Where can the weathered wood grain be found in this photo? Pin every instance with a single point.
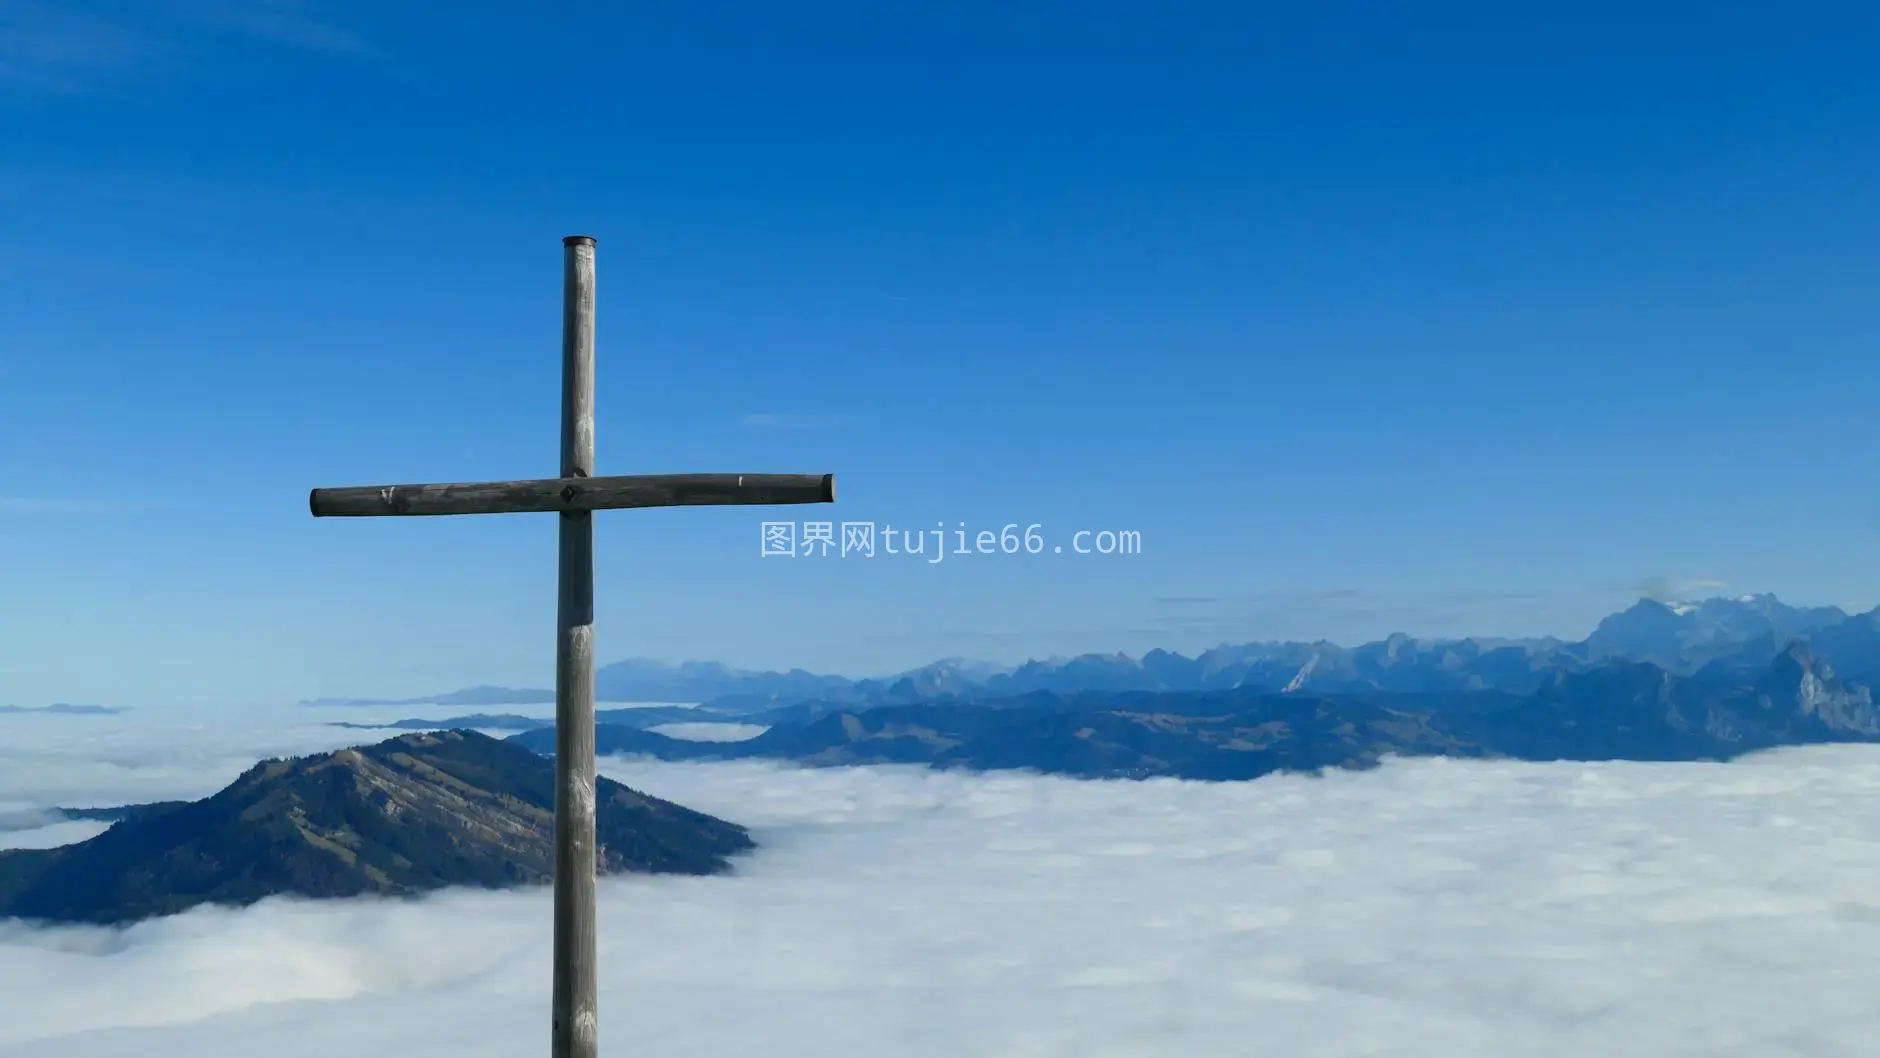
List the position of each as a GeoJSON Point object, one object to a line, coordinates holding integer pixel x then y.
{"type": "Point", "coordinates": [575, 1020]}
{"type": "Point", "coordinates": [574, 495]}
{"type": "Point", "coordinates": [569, 494]}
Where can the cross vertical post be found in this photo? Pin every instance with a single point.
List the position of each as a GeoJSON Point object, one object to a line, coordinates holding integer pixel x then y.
{"type": "Point", "coordinates": [574, 496]}
{"type": "Point", "coordinates": [574, 1023]}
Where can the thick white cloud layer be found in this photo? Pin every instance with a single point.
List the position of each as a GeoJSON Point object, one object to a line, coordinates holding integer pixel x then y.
{"type": "Point", "coordinates": [1428, 908]}
{"type": "Point", "coordinates": [82, 762]}
{"type": "Point", "coordinates": [29, 829]}
{"type": "Point", "coordinates": [706, 731]}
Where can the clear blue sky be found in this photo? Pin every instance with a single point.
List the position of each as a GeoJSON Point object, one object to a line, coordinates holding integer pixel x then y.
{"type": "Point", "coordinates": [1463, 322]}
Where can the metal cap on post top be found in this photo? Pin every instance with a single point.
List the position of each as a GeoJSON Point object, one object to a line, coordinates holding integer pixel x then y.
{"type": "Point", "coordinates": [570, 240]}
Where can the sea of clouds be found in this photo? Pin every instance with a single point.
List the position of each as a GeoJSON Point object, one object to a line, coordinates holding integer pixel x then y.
{"type": "Point", "coordinates": [1428, 908]}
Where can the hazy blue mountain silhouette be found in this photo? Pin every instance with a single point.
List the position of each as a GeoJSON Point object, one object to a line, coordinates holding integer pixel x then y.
{"type": "Point", "coordinates": [1616, 709]}
{"type": "Point", "coordinates": [1728, 637]}
{"type": "Point", "coordinates": [1683, 637]}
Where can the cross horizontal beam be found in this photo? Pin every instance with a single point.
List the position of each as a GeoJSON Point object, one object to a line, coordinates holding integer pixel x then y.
{"type": "Point", "coordinates": [566, 495]}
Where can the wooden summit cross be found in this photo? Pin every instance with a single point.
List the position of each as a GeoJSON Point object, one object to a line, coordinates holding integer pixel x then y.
{"type": "Point", "coordinates": [575, 495]}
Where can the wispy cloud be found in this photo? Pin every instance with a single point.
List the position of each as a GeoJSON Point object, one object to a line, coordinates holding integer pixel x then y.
{"type": "Point", "coordinates": [1352, 615]}
{"type": "Point", "coordinates": [287, 22]}
{"type": "Point", "coordinates": [53, 505]}
{"type": "Point", "coordinates": [64, 709]}
{"type": "Point", "coordinates": [787, 420]}
{"type": "Point", "coordinates": [59, 47]}
{"type": "Point", "coordinates": [82, 45]}
{"type": "Point", "coordinates": [1327, 601]}
{"type": "Point", "coordinates": [1665, 589]}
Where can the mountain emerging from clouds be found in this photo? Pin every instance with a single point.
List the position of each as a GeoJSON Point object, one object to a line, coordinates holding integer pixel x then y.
{"type": "Point", "coordinates": [1736, 635]}
{"type": "Point", "coordinates": [1683, 636]}
{"type": "Point", "coordinates": [1660, 681]}
{"type": "Point", "coordinates": [1135, 736]}
{"type": "Point", "coordinates": [407, 815]}
{"type": "Point", "coordinates": [1614, 710]}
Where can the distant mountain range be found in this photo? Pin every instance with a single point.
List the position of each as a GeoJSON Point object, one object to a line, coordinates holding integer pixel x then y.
{"type": "Point", "coordinates": [1733, 635]}
{"type": "Point", "coordinates": [407, 815]}
{"type": "Point", "coordinates": [68, 709]}
{"type": "Point", "coordinates": [1612, 709]}
{"type": "Point", "coordinates": [637, 716]}
{"type": "Point", "coordinates": [1660, 681]}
